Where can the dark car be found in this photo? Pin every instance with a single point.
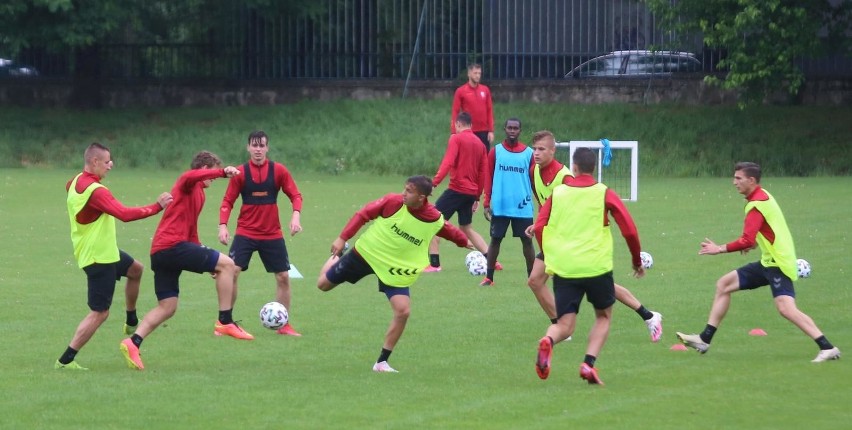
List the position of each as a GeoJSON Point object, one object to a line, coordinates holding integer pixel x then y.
{"type": "Point", "coordinates": [9, 68]}
{"type": "Point", "coordinates": [637, 64]}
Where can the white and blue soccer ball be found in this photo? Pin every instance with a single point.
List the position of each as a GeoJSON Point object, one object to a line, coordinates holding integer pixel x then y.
{"type": "Point", "coordinates": [647, 260]}
{"type": "Point", "coordinates": [803, 268]}
{"type": "Point", "coordinates": [476, 263]}
{"type": "Point", "coordinates": [274, 315]}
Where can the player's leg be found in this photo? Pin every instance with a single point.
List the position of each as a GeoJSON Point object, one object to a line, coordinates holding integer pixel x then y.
{"type": "Point", "coordinates": [273, 253]}
{"type": "Point", "coordinates": [537, 282]}
{"type": "Point", "coordinates": [241, 251]}
{"type": "Point", "coordinates": [400, 303]}
{"type": "Point", "coordinates": [351, 267]}
{"type": "Point", "coordinates": [447, 205]}
{"type": "Point", "coordinates": [101, 288]}
{"type": "Point", "coordinates": [568, 298]}
{"type": "Point", "coordinates": [601, 294]}
{"type": "Point", "coordinates": [519, 227]}
{"type": "Point", "coordinates": [653, 320]}
{"type": "Point", "coordinates": [749, 276]}
{"type": "Point", "coordinates": [785, 301]}
{"type": "Point", "coordinates": [131, 269]}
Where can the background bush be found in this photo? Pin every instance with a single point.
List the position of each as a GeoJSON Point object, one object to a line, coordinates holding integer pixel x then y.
{"type": "Point", "coordinates": [409, 136]}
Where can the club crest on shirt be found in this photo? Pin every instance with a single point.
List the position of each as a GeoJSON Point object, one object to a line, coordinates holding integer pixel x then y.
{"type": "Point", "coordinates": [482, 94]}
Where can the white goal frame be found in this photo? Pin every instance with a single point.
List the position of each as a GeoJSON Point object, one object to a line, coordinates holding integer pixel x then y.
{"type": "Point", "coordinates": [632, 145]}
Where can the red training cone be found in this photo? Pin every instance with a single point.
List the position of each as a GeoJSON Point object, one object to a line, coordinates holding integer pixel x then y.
{"type": "Point", "coordinates": [757, 332]}
{"type": "Point", "coordinates": [678, 347]}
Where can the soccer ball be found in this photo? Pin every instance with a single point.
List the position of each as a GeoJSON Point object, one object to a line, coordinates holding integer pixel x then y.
{"type": "Point", "coordinates": [476, 263]}
{"type": "Point", "coordinates": [471, 256]}
{"type": "Point", "coordinates": [647, 260]}
{"type": "Point", "coordinates": [273, 315]}
{"type": "Point", "coordinates": [803, 267]}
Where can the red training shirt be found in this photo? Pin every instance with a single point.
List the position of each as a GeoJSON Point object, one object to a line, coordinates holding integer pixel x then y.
{"type": "Point", "coordinates": [477, 102]}
{"type": "Point", "coordinates": [754, 223]}
{"type": "Point", "coordinates": [389, 205]}
{"type": "Point", "coordinates": [102, 201]}
{"type": "Point", "coordinates": [180, 220]}
{"type": "Point", "coordinates": [259, 221]}
{"type": "Point", "coordinates": [465, 162]}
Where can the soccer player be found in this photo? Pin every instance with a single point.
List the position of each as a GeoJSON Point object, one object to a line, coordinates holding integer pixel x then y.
{"type": "Point", "coordinates": [175, 248]}
{"type": "Point", "coordinates": [766, 228]}
{"type": "Point", "coordinates": [258, 225]}
{"type": "Point", "coordinates": [465, 162]}
{"type": "Point", "coordinates": [92, 210]}
{"type": "Point", "coordinates": [546, 175]}
{"type": "Point", "coordinates": [474, 98]}
{"type": "Point", "coordinates": [508, 196]}
{"type": "Point", "coordinates": [393, 248]}
{"type": "Point", "coordinates": [573, 229]}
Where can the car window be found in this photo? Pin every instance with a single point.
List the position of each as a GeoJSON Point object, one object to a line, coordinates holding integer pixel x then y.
{"type": "Point", "coordinates": [607, 66]}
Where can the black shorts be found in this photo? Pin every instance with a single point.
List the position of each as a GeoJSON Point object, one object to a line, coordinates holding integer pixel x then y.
{"type": "Point", "coordinates": [483, 136]}
{"type": "Point", "coordinates": [101, 280]}
{"type": "Point", "coordinates": [169, 263]}
{"type": "Point", "coordinates": [452, 201]}
{"type": "Point", "coordinates": [568, 292]}
{"type": "Point", "coordinates": [352, 268]}
{"type": "Point", "coordinates": [500, 225]}
{"type": "Point", "coordinates": [273, 253]}
{"type": "Point", "coordinates": [754, 275]}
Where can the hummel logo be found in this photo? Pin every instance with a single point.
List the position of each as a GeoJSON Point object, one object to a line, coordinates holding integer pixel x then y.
{"type": "Point", "coordinates": [776, 282]}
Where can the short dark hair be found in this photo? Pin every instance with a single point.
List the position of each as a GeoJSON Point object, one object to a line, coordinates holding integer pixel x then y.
{"type": "Point", "coordinates": [513, 119]}
{"type": "Point", "coordinates": [752, 170]}
{"type": "Point", "coordinates": [463, 118]}
{"type": "Point", "coordinates": [472, 66]}
{"type": "Point", "coordinates": [422, 183]}
{"type": "Point", "coordinates": [585, 159]}
{"type": "Point", "coordinates": [205, 159]}
{"type": "Point", "coordinates": [257, 136]}
{"type": "Point", "coordinates": [93, 149]}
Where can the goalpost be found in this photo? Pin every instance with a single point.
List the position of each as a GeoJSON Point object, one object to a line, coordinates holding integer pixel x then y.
{"type": "Point", "coordinates": [621, 175]}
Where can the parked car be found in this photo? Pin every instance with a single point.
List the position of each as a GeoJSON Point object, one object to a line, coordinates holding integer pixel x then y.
{"type": "Point", "coordinates": [637, 64]}
{"type": "Point", "coordinates": [12, 69]}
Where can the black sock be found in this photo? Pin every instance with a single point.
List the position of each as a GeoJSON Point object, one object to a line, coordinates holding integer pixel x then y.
{"type": "Point", "coordinates": [554, 320]}
{"type": "Point", "coordinates": [225, 317]}
{"type": "Point", "coordinates": [489, 273]}
{"type": "Point", "coordinates": [434, 260]}
{"type": "Point", "coordinates": [644, 313]}
{"type": "Point", "coordinates": [823, 343]}
{"type": "Point", "coordinates": [131, 319]}
{"type": "Point", "coordinates": [70, 353]}
{"type": "Point", "coordinates": [590, 360]}
{"type": "Point", "coordinates": [136, 339]}
{"type": "Point", "coordinates": [707, 334]}
{"type": "Point", "coordinates": [384, 356]}
{"type": "Point", "coordinates": [551, 340]}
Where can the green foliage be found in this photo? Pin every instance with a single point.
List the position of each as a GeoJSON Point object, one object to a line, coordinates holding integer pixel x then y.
{"type": "Point", "coordinates": [762, 38]}
{"type": "Point", "coordinates": [404, 137]}
{"type": "Point", "coordinates": [466, 357]}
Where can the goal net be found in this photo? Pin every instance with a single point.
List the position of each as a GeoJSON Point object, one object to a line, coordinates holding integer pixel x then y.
{"type": "Point", "coordinates": [622, 173]}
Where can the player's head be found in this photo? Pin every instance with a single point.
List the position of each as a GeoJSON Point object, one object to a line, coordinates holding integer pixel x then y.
{"type": "Point", "coordinates": [584, 161]}
{"type": "Point", "coordinates": [97, 159]}
{"type": "Point", "coordinates": [417, 189]}
{"type": "Point", "coordinates": [746, 177]}
{"type": "Point", "coordinates": [544, 147]}
{"type": "Point", "coordinates": [205, 160]}
{"type": "Point", "coordinates": [474, 73]}
{"type": "Point", "coordinates": [463, 121]}
{"type": "Point", "coordinates": [512, 129]}
{"type": "Point", "coordinates": [257, 146]}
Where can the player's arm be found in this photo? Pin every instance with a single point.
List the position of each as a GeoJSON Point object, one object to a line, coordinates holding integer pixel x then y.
{"type": "Point", "coordinates": [235, 184]}
{"type": "Point", "coordinates": [389, 203]}
{"type": "Point", "coordinates": [489, 111]}
{"type": "Point", "coordinates": [455, 112]}
{"type": "Point", "coordinates": [615, 206]}
{"type": "Point", "coordinates": [453, 234]}
{"type": "Point", "coordinates": [103, 200]}
{"type": "Point", "coordinates": [447, 162]}
{"type": "Point", "coordinates": [754, 220]}
{"type": "Point", "coordinates": [542, 220]}
{"type": "Point", "coordinates": [191, 177]}
{"type": "Point", "coordinates": [489, 176]}
{"type": "Point", "coordinates": [289, 188]}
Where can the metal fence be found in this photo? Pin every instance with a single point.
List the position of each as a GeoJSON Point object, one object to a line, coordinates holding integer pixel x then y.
{"type": "Point", "coordinates": [416, 39]}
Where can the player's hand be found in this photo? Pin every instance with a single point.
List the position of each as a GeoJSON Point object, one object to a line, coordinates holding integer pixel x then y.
{"type": "Point", "coordinates": [490, 137]}
{"type": "Point", "coordinates": [224, 235]}
{"type": "Point", "coordinates": [708, 247]}
{"type": "Point", "coordinates": [638, 271]}
{"type": "Point", "coordinates": [337, 246]}
{"type": "Point", "coordinates": [165, 199]}
{"type": "Point", "coordinates": [295, 223]}
{"type": "Point", "coordinates": [231, 171]}
{"type": "Point", "coordinates": [530, 231]}
{"type": "Point", "coordinates": [469, 244]}
{"type": "Point", "coordinates": [487, 212]}
{"type": "Point", "coordinates": [475, 206]}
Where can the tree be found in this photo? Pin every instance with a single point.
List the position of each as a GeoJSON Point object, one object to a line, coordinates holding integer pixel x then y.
{"type": "Point", "coordinates": [762, 38]}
